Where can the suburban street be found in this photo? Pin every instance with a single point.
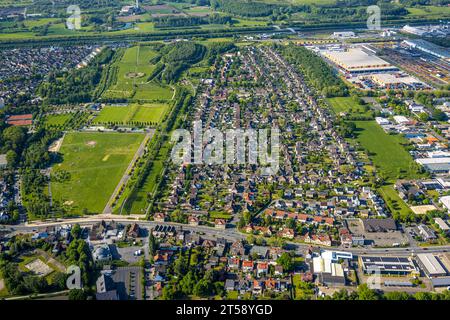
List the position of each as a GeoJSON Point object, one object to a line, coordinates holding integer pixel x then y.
{"type": "Point", "coordinates": [230, 234]}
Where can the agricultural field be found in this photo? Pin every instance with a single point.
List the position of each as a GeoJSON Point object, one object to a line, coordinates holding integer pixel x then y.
{"type": "Point", "coordinates": [316, 2]}
{"type": "Point", "coordinates": [92, 166]}
{"type": "Point", "coordinates": [141, 113]}
{"type": "Point", "coordinates": [199, 11]}
{"type": "Point", "coordinates": [386, 151]}
{"type": "Point", "coordinates": [429, 11]}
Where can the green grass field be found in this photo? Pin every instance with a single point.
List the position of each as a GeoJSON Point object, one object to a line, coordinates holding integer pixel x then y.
{"type": "Point", "coordinates": [132, 70]}
{"type": "Point", "coordinates": [429, 11]}
{"type": "Point", "coordinates": [145, 113]}
{"type": "Point", "coordinates": [132, 73]}
{"type": "Point", "coordinates": [96, 163]}
{"type": "Point", "coordinates": [386, 151]}
{"type": "Point", "coordinates": [137, 203]}
{"type": "Point", "coordinates": [395, 204]}
{"type": "Point", "coordinates": [57, 119]}
{"type": "Point", "coordinates": [347, 105]}
{"type": "Point", "coordinates": [153, 91]}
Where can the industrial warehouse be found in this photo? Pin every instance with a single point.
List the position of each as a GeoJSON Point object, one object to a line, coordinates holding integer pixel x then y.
{"type": "Point", "coordinates": [357, 60]}
{"type": "Point", "coordinates": [361, 66]}
{"type": "Point", "coordinates": [388, 265]}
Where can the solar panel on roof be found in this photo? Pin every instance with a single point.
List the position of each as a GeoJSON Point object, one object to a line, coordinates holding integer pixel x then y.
{"type": "Point", "coordinates": [389, 259]}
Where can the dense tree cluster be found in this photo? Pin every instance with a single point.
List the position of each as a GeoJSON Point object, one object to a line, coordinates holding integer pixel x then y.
{"type": "Point", "coordinates": [317, 71]}
{"type": "Point", "coordinates": [189, 278]}
{"type": "Point", "coordinates": [177, 57]}
{"type": "Point", "coordinates": [77, 85]}
{"type": "Point", "coordinates": [255, 8]}
{"type": "Point", "coordinates": [365, 293]}
{"type": "Point", "coordinates": [175, 22]}
{"type": "Point", "coordinates": [21, 283]}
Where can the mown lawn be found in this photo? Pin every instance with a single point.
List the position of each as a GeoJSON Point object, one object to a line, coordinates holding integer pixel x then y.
{"type": "Point", "coordinates": [150, 112]}
{"type": "Point", "coordinates": [95, 163]}
{"type": "Point", "coordinates": [348, 105]}
{"type": "Point", "coordinates": [57, 119]}
{"type": "Point", "coordinates": [386, 151]}
{"type": "Point", "coordinates": [136, 60]}
{"type": "Point", "coordinates": [137, 202]}
{"type": "Point", "coordinates": [114, 114]}
{"type": "Point", "coordinates": [153, 91]}
{"type": "Point", "coordinates": [143, 113]}
{"type": "Point", "coordinates": [396, 205]}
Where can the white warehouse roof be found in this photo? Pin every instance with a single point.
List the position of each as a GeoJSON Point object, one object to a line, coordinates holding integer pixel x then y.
{"type": "Point", "coordinates": [431, 263]}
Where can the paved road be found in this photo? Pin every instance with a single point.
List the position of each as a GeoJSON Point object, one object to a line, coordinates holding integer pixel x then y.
{"type": "Point", "coordinates": [40, 295]}
{"type": "Point", "coordinates": [126, 176]}
{"type": "Point", "coordinates": [229, 234]}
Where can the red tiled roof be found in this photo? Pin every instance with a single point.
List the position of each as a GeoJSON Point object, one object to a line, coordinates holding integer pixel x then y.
{"type": "Point", "coordinates": [220, 221]}
{"type": "Point", "coordinates": [302, 217]}
{"type": "Point", "coordinates": [263, 265]}
{"type": "Point", "coordinates": [247, 263]}
{"type": "Point", "coordinates": [318, 219]}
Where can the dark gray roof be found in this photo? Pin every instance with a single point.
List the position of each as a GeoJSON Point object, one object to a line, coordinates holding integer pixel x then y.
{"type": "Point", "coordinates": [441, 282]}
{"type": "Point", "coordinates": [108, 295]}
{"type": "Point", "coordinates": [328, 279]}
{"type": "Point", "coordinates": [379, 225]}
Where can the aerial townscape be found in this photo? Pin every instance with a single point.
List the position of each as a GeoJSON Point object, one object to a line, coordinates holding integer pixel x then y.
{"type": "Point", "coordinates": [347, 199]}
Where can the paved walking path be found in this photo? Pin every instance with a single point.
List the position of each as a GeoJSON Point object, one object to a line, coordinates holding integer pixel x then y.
{"type": "Point", "coordinates": [126, 176]}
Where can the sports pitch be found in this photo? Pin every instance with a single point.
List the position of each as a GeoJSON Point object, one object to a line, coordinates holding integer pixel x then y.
{"type": "Point", "coordinates": [148, 113]}
{"type": "Point", "coordinates": [96, 163]}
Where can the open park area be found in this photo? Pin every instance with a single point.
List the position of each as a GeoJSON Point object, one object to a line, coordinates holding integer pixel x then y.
{"type": "Point", "coordinates": [145, 114]}
{"type": "Point", "coordinates": [131, 75]}
{"type": "Point", "coordinates": [386, 151]}
{"type": "Point", "coordinates": [92, 166]}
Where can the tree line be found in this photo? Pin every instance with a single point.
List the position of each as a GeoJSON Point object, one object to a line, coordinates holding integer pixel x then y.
{"type": "Point", "coordinates": [317, 71]}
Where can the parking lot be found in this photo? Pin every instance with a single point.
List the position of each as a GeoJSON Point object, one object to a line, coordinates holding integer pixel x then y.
{"type": "Point", "coordinates": [378, 239]}
{"type": "Point", "coordinates": [127, 254]}
{"type": "Point", "coordinates": [128, 281]}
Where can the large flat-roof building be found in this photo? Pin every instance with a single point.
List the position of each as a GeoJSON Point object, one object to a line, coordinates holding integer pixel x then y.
{"type": "Point", "coordinates": [358, 61]}
{"type": "Point", "coordinates": [445, 200]}
{"type": "Point", "coordinates": [435, 165]}
{"type": "Point", "coordinates": [395, 80]}
{"type": "Point", "coordinates": [387, 265]}
{"type": "Point", "coordinates": [328, 268]}
{"type": "Point", "coordinates": [429, 48]}
{"type": "Point", "coordinates": [431, 265]}
{"type": "Point", "coordinates": [443, 225]}
{"type": "Point", "coordinates": [379, 225]}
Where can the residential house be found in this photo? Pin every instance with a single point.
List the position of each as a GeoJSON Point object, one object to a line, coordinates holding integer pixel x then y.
{"type": "Point", "coordinates": [220, 223]}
